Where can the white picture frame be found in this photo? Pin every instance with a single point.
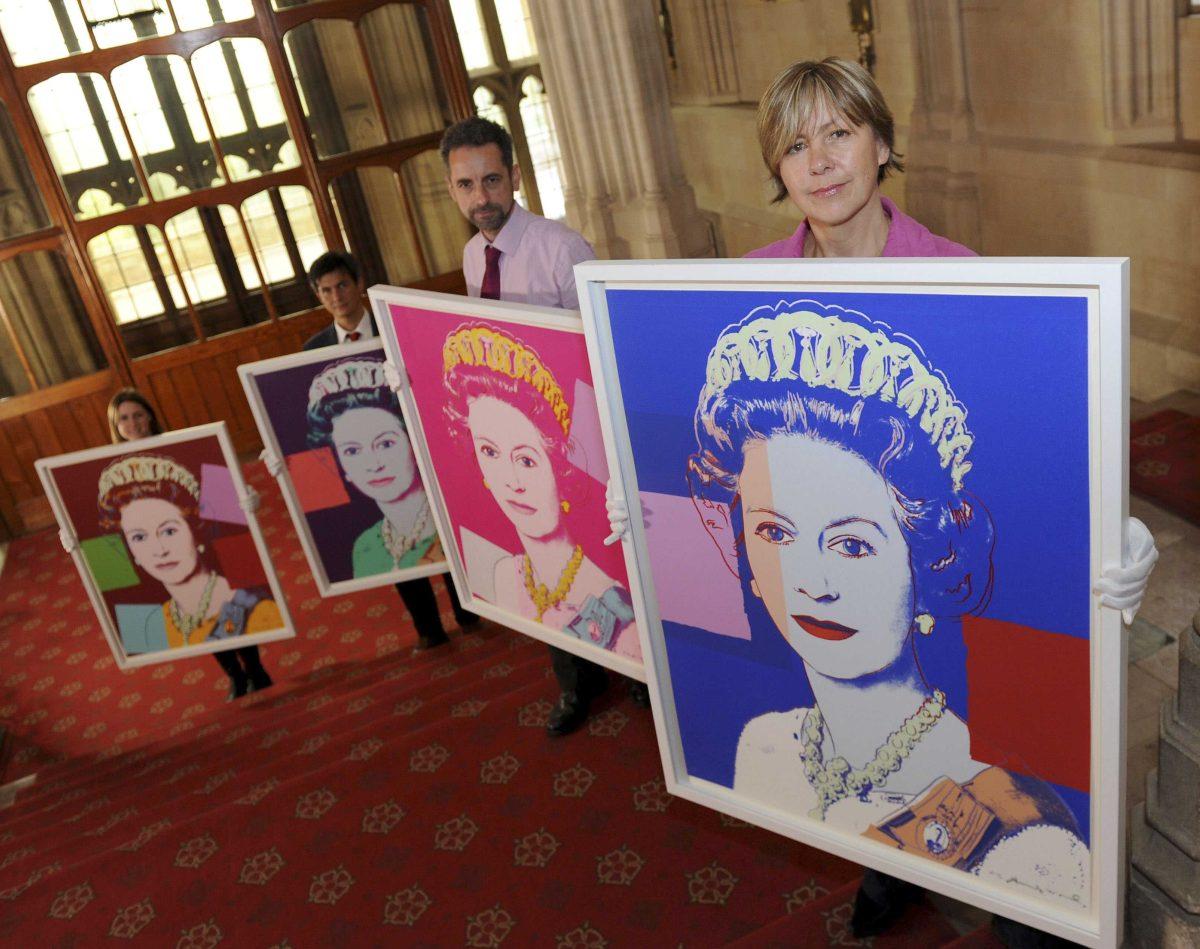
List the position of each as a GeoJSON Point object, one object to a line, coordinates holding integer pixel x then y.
{"type": "Point", "coordinates": [1099, 289]}
{"type": "Point", "coordinates": [288, 371]}
{"type": "Point", "coordinates": [67, 491]}
{"type": "Point", "coordinates": [475, 555]}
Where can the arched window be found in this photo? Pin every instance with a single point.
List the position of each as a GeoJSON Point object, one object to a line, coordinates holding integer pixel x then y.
{"type": "Point", "coordinates": [501, 55]}
{"type": "Point", "coordinates": [205, 158]}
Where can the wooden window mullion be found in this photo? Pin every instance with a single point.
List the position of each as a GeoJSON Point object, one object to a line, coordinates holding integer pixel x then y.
{"type": "Point", "coordinates": [273, 41]}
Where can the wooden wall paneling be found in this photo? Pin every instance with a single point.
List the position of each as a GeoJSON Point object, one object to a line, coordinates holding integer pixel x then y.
{"type": "Point", "coordinates": [228, 364]}
{"type": "Point", "coordinates": [70, 434]}
{"type": "Point", "coordinates": [45, 438]}
{"type": "Point", "coordinates": [213, 402]}
{"type": "Point", "coordinates": [33, 509]}
{"type": "Point", "coordinates": [162, 396]}
{"type": "Point", "coordinates": [182, 378]}
{"type": "Point", "coordinates": [13, 526]}
{"type": "Point", "coordinates": [10, 467]}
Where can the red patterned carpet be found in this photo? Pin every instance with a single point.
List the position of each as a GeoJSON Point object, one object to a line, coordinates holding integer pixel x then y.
{"type": "Point", "coordinates": [370, 798]}
{"type": "Point", "coordinates": [1164, 461]}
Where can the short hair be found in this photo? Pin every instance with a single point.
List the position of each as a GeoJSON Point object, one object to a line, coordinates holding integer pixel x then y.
{"type": "Point", "coordinates": [845, 88]}
{"type": "Point", "coordinates": [476, 132]}
{"type": "Point", "coordinates": [331, 262]}
{"type": "Point", "coordinates": [322, 415]}
{"type": "Point", "coordinates": [948, 530]}
{"type": "Point", "coordinates": [130, 395]}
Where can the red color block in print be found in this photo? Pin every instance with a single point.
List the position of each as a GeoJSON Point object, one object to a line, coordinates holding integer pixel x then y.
{"type": "Point", "coordinates": [1029, 706]}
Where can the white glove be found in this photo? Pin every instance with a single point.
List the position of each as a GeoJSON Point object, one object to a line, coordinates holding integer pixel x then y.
{"type": "Point", "coordinates": [1122, 588]}
{"type": "Point", "coordinates": [272, 461]}
{"type": "Point", "coordinates": [395, 376]}
{"type": "Point", "coordinates": [618, 515]}
{"type": "Point", "coordinates": [68, 540]}
{"type": "Point", "coordinates": [250, 501]}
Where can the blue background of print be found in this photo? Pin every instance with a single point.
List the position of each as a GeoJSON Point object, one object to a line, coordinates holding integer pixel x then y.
{"type": "Point", "coordinates": [1018, 364]}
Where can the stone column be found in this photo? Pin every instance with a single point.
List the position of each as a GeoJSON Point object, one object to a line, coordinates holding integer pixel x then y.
{"type": "Point", "coordinates": [605, 75]}
{"type": "Point", "coordinates": [1164, 887]}
{"type": "Point", "coordinates": [942, 189]}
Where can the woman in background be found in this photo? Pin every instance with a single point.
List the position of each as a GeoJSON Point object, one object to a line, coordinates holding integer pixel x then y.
{"type": "Point", "coordinates": [131, 417]}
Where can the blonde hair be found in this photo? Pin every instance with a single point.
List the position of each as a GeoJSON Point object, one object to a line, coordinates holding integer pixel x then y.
{"type": "Point", "coordinates": [845, 88]}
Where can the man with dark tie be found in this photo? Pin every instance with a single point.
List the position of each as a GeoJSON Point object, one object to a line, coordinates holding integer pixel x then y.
{"type": "Point", "coordinates": [520, 257]}
{"type": "Point", "coordinates": [337, 280]}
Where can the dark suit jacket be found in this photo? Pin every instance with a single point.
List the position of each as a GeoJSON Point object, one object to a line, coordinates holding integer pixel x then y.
{"type": "Point", "coordinates": [329, 337]}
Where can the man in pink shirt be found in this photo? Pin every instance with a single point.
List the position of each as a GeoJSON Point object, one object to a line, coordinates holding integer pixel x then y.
{"type": "Point", "coordinates": [519, 257]}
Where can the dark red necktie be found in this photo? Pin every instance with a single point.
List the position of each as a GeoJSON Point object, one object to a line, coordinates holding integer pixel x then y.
{"type": "Point", "coordinates": [353, 337]}
{"type": "Point", "coordinates": [491, 274]}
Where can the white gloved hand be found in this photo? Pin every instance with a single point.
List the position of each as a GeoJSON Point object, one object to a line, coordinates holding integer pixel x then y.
{"type": "Point", "coordinates": [618, 515]}
{"type": "Point", "coordinates": [250, 501]}
{"type": "Point", "coordinates": [1122, 588]}
{"type": "Point", "coordinates": [69, 541]}
{"type": "Point", "coordinates": [395, 376]}
{"type": "Point", "coordinates": [272, 462]}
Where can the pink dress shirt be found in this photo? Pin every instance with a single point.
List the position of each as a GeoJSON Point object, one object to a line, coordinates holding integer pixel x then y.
{"type": "Point", "coordinates": [906, 238]}
{"type": "Point", "coordinates": [537, 261]}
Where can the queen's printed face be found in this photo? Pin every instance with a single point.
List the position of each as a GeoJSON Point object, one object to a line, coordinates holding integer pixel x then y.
{"type": "Point", "coordinates": [514, 465]}
{"type": "Point", "coordinates": [374, 453]}
{"type": "Point", "coordinates": [159, 539]}
{"type": "Point", "coordinates": [831, 566]}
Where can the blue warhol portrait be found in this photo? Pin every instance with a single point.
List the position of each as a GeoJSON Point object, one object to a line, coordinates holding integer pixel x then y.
{"type": "Point", "coordinates": [867, 523]}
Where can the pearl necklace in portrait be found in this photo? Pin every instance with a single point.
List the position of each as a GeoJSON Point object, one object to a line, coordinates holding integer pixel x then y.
{"type": "Point", "coordinates": [543, 598]}
{"type": "Point", "coordinates": [187, 624]}
{"type": "Point", "coordinates": [400, 545]}
{"type": "Point", "coordinates": [837, 780]}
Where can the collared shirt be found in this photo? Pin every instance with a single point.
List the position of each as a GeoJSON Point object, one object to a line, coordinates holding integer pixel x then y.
{"type": "Point", "coordinates": [364, 329]}
{"type": "Point", "coordinates": [906, 238]}
{"type": "Point", "coordinates": [537, 260]}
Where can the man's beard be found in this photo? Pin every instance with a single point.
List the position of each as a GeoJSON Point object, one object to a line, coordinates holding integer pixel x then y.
{"type": "Point", "coordinates": [490, 217]}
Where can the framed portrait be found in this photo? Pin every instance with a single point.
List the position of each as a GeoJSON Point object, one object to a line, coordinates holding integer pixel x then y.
{"type": "Point", "coordinates": [172, 562]}
{"type": "Point", "coordinates": [868, 502]}
{"type": "Point", "coordinates": [349, 477]}
{"type": "Point", "coordinates": [502, 411]}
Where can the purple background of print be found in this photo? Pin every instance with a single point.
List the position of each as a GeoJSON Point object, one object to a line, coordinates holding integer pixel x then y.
{"type": "Point", "coordinates": [334, 530]}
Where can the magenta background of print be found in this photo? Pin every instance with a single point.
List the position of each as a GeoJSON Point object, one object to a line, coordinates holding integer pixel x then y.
{"type": "Point", "coordinates": [421, 335]}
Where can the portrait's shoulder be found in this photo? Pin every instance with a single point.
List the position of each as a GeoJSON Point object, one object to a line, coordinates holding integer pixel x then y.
{"type": "Point", "coordinates": [1050, 859]}
{"type": "Point", "coordinates": [369, 538]}
{"type": "Point", "coordinates": [264, 616]}
{"type": "Point", "coordinates": [766, 766]}
{"type": "Point", "coordinates": [770, 730]}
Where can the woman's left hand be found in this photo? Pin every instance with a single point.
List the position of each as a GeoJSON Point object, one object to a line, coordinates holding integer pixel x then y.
{"type": "Point", "coordinates": [250, 501]}
{"type": "Point", "coordinates": [1122, 588]}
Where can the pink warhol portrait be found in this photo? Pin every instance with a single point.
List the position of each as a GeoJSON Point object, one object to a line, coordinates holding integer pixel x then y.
{"type": "Point", "coordinates": [511, 426]}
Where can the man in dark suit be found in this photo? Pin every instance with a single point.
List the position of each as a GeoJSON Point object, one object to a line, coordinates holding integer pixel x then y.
{"type": "Point", "coordinates": [337, 280]}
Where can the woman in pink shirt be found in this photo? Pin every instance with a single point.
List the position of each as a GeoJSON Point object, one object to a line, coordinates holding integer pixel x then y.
{"type": "Point", "coordinates": [828, 141]}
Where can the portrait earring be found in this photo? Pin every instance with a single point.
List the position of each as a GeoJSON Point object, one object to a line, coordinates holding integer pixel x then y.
{"type": "Point", "coordinates": [486, 485]}
{"type": "Point", "coordinates": [200, 548]}
{"type": "Point", "coordinates": [566, 507]}
{"type": "Point", "coordinates": [924, 623]}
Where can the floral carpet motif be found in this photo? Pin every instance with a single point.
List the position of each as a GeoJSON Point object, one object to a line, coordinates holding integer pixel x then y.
{"type": "Point", "coordinates": [370, 798]}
